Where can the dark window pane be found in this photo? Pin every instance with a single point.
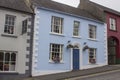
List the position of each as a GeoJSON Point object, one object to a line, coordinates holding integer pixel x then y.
{"type": "Point", "coordinates": [13, 57]}
{"type": "Point", "coordinates": [7, 56]}
{"type": "Point", "coordinates": [1, 66]}
{"type": "Point", "coordinates": [6, 67]}
{"type": "Point", "coordinates": [12, 63]}
{"type": "Point", "coordinates": [1, 56]}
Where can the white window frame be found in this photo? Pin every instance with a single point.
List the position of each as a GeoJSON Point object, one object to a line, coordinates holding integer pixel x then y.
{"type": "Point", "coordinates": [93, 59]}
{"type": "Point", "coordinates": [57, 25]}
{"type": "Point", "coordinates": [7, 63]}
{"type": "Point", "coordinates": [76, 29]}
{"type": "Point", "coordinates": [9, 27]}
{"type": "Point", "coordinates": [112, 22]}
{"type": "Point", "coordinates": [92, 31]}
{"type": "Point", "coordinates": [53, 54]}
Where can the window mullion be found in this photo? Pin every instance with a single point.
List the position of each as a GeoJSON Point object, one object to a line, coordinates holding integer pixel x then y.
{"type": "Point", "coordinates": [51, 52]}
{"type": "Point", "coordinates": [4, 60]}
{"type": "Point", "coordinates": [60, 26]}
{"type": "Point", "coordinates": [10, 60]}
{"type": "Point", "coordinates": [60, 52]}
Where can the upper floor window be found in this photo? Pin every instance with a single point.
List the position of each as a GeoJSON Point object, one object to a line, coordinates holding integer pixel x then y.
{"type": "Point", "coordinates": [56, 51]}
{"type": "Point", "coordinates": [92, 55]}
{"type": "Point", "coordinates": [24, 26]}
{"type": "Point", "coordinates": [76, 28]}
{"type": "Point", "coordinates": [92, 31]}
{"type": "Point", "coordinates": [112, 24]}
{"type": "Point", "coordinates": [7, 61]}
{"type": "Point", "coordinates": [9, 24]}
{"type": "Point", "coordinates": [57, 25]}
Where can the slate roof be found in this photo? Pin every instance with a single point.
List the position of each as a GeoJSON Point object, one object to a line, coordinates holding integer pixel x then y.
{"type": "Point", "coordinates": [63, 8]}
{"type": "Point", "coordinates": [106, 8]}
{"type": "Point", "coordinates": [18, 5]}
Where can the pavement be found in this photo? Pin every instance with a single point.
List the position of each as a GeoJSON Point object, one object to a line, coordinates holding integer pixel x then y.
{"type": "Point", "coordinates": [71, 74]}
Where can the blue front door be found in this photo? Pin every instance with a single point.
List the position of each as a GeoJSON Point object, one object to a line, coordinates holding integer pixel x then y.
{"type": "Point", "coordinates": [76, 59]}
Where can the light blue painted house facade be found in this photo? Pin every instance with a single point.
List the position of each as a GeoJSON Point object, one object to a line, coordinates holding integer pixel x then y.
{"type": "Point", "coordinates": [66, 41]}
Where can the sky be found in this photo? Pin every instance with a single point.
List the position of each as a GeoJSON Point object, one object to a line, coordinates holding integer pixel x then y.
{"type": "Point", "coordinates": [113, 4]}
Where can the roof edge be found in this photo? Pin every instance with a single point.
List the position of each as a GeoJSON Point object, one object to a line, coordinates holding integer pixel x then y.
{"type": "Point", "coordinates": [17, 10]}
{"type": "Point", "coordinates": [44, 8]}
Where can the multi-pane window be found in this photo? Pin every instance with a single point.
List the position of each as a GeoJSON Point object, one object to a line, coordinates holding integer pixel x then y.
{"type": "Point", "coordinates": [112, 24]}
{"type": "Point", "coordinates": [7, 61]}
{"type": "Point", "coordinates": [76, 28]}
{"type": "Point", "coordinates": [57, 25]}
{"type": "Point", "coordinates": [56, 52]}
{"type": "Point", "coordinates": [92, 31]}
{"type": "Point", "coordinates": [92, 55]}
{"type": "Point", "coordinates": [24, 26]}
{"type": "Point", "coordinates": [9, 24]}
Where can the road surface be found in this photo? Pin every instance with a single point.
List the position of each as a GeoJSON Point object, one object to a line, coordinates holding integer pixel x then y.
{"type": "Point", "coordinates": [110, 75]}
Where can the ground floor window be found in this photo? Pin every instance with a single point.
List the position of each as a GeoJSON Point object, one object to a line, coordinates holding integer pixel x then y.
{"type": "Point", "coordinates": [56, 51]}
{"type": "Point", "coordinates": [7, 61]}
{"type": "Point", "coordinates": [92, 55]}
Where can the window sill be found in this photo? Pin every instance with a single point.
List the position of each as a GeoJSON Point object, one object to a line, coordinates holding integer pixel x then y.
{"type": "Point", "coordinates": [92, 64]}
{"type": "Point", "coordinates": [113, 30]}
{"type": "Point", "coordinates": [92, 39]}
{"type": "Point", "coordinates": [9, 35]}
{"type": "Point", "coordinates": [9, 72]}
{"type": "Point", "coordinates": [57, 34]}
{"type": "Point", "coordinates": [52, 62]}
{"type": "Point", "coordinates": [79, 37]}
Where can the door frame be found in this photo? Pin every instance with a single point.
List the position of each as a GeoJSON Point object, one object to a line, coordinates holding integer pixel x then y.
{"type": "Point", "coordinates": [116, 47]}
{"type": "Point", "coordinates": [80, 58]}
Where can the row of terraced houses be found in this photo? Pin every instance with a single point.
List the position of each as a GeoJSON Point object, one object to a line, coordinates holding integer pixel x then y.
{"type": "Point", "coordinates": [39, 37]}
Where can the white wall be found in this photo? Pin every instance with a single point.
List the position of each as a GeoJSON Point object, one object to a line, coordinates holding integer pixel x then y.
{"type": "Point", "coordinates": [18, 44]}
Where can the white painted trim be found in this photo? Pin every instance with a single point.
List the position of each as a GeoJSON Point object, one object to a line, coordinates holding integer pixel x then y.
{"type": "Point", "coordinates": [8, 72]}
{"type": "Point", "coordinates": [41, 72]}
{"type": "Point", "coordinates": [57, 34]}
{"type": "Point", "coordinates": [35, 50]}
{"type": "Point", "coordinates": [81, 57]}
{"type": "Point", "coordinates": [92, 39]}
{"type": "Point", "coordinates": [106, 43]}
{"type": "Point", "coordinates": [79, 37]}
{"type": "Point", "coordinates": [71, 58]}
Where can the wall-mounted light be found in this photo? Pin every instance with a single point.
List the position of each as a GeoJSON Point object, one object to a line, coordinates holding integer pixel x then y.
{"type": "Point", "coordinates": [85, 46]}
{"type": "Point", "coordinates": [69, 45]}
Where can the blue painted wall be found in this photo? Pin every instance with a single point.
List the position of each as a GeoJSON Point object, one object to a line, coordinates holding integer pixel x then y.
{"type": "Point", "coordinates": [46, 37]}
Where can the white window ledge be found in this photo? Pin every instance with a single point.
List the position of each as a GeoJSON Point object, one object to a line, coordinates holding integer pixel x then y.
{"type": "Point", "coordinates": [5, 72]}
{"type": "Point", "coordinates": [9, 35]}
{"type": "Point", "coordinates": [79, 37]}
{"type": "Point", "coordinates": [52, 62]}
{"type": "Point", "coordinates": [57, 34]}
{"type": "Point", "coordinates": [92, 39]}
{"type": "Point", "coordinates": [92, 64]}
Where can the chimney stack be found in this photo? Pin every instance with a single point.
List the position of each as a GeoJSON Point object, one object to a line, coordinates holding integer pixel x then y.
{"type": "Point", "coordinates": [83, 3]}
{"type": "Point", "coordinates": [92, 8]}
